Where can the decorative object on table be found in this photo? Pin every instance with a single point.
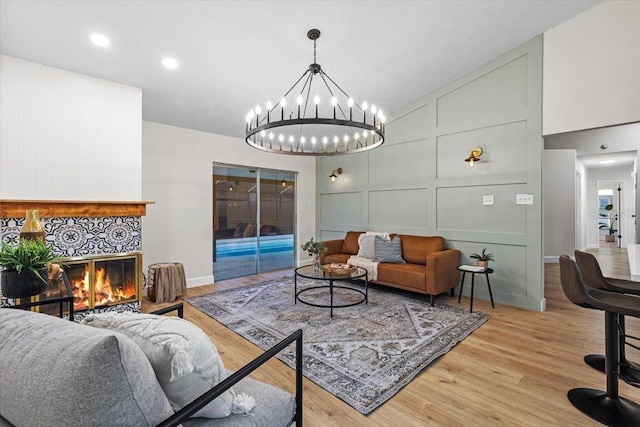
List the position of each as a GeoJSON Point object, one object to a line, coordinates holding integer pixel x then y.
{"type": "Point", "coordinates": [25, 268]}
{"type": "Point", "coordinates": [338, 268]}
{"type": "Point", "coordinates": [610, 217]}
{"type": "Point", "coordinates": [324, 118]}
{"type": "Point", "coordinates": [363, 355]}
{"type": "Point", "coordinates": [314, 249]}
{"type": "Point", "coordinates": [32, 228]}
{"type": "Point", "coordinates": [167, 281]}
{"type": "Point", "coordinates": [483, 258]}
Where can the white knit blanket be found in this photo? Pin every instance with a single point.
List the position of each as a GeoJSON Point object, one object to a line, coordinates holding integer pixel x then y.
{"type": "Point", "coordinates": [370, 265]}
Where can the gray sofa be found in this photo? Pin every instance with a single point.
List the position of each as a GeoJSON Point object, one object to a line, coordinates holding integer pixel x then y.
{"type": "Point", "coordinates": [56, 372]}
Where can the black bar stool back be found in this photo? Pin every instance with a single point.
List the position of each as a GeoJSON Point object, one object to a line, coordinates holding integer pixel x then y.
{"type": "Point", "coordinates": [605, 407]}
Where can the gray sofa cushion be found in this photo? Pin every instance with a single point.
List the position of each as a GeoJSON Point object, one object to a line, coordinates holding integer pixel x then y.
{"type": "Point", "coordinates": [55, 372]}
{"type": "Point", "coordinates": [274, 408]}
{"type": "Point", "coordinates": [185, 361]}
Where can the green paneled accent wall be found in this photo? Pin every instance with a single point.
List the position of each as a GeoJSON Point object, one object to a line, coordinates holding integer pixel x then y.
{"type": "Point", "coordinates": [418, 181]}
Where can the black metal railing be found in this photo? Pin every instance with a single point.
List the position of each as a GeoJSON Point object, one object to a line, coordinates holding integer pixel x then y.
{"type": "Point", "coordinates": [201, 401]}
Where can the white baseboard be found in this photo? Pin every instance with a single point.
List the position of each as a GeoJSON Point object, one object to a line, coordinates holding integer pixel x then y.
{"type": "Point", "coordinates": [591, 246]}
{"type": "Point", "coordinates": [199, 281]}
{"type": "Point", "coordinates": [543, 304]}
{"type": "Point", "coordinates": [305, 262]}
{"type": "Point", "coordinates": [551, 259]}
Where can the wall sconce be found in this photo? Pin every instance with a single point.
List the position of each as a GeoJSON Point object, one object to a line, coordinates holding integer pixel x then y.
{"type": "Point", "coordinates": [335, 174]}
{"type": "Point", "coordinates": [283, 183]}
{"type": "Point", "coordinates": [476, 152]}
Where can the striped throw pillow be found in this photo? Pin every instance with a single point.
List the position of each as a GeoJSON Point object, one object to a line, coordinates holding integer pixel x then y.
{"type": "Point", "coordinates": [390, 252]}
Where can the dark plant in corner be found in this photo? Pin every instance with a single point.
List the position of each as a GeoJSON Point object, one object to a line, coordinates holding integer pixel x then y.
{"type": "Point", "coordinates": [611, 222]}
{"type": "Point", "coordinates": [483, 258]}
{"type": "Point", "coordinates": [25, 268]}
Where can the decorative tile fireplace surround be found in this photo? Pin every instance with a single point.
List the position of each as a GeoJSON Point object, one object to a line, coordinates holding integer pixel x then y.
{"type": "Point", "coordinates": [99, 241]}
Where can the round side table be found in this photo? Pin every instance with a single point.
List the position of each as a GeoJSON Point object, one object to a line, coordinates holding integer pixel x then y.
{"type": "Point", "coordinates": [474, 270]}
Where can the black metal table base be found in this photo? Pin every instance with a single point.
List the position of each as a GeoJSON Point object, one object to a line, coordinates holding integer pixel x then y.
{"type": "Point", "coordinates": [616, 411]}
{"type": "Point", "coordinates": [331, 287]}
{"type": "Point", "coordinates": [473, 279]}
{"type": "Point", "coordinates": [331, 305]}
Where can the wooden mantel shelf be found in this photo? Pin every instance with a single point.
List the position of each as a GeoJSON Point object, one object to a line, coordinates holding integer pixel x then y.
{"type": "Point", "coordinates": [72, 208]}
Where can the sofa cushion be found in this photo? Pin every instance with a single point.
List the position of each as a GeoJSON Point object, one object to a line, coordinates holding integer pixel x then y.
{"type": "Point", "coordinates": [416, 248]}
{"type": "Point", "coordinates": [185, 361]}
{"type": "Point", "coordinates": [350, 243]}
{"type": "Point", "coordinates": [406, 276]}
{"type": "Point", "coordinates": [367, 247]}
{"type": "Point", "coordinates": [274, 407]}
{"type": "Point", "coordinates": [388, 251]}
{"type": "Point", "coordinates": [59, 373]}
{"type": "Point", "coordinates": [337, 258]}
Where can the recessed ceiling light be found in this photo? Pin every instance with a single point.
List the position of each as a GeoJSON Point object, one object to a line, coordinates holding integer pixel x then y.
{"type": "Point", "coordinates": [100, 40]}
{"type": "Point", "coordinates": [607, 162]}
{"type": "Point", "coordinates": [170, 63]}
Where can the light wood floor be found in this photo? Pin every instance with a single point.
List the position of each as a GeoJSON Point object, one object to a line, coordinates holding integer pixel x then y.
{"type": "Point", "coordinates": [514, 370]}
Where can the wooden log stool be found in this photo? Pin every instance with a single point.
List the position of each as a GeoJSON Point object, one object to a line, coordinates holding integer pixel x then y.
{"type": "Point", "coordinates": [166, 281]}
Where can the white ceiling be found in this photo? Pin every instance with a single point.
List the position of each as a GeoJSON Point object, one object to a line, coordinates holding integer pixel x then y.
{"type": "Point", "coordinates": [620, 159]}
{"type": "Point", "coordinates": [234, 54]}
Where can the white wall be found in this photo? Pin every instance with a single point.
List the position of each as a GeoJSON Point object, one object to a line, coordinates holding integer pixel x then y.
{"type": "Point", "coordinates": [177, 175]}
{"type": "Point", "coordinates": [65, 136]}
{"type": "Point", "coordinates": [418, 182]}
{"type": "Point", "coordinates": [623, 174]}
{"type": "Point", "coordinates": [592, 69]}
{"type": "Point", "coordinates": [559, 192]}
{"type": "Point", "coordinates": [582, 210]}
{"type": "Point", "coordinates": [623, 138]}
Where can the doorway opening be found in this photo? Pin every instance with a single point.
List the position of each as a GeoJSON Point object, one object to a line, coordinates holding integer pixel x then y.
{"type": "Point", "coordinates": [253, 220]}
{"type": "Point", "coordinates": [609, 202]}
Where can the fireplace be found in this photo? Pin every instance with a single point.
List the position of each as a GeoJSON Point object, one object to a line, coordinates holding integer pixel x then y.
{"type": "Point", "coordinates": [104, 280]}
{"type": "Point", "coordinates": [99, 241]}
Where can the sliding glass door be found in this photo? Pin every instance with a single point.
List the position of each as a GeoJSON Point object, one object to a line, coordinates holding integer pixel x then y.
{"type": "Point", "coordinates": [253, 220]}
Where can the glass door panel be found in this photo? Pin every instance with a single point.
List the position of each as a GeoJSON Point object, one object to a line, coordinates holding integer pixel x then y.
{"type": "Point", "coordinates": [235, 244]}
{"type": "Point", "coordinates": [277, 219]}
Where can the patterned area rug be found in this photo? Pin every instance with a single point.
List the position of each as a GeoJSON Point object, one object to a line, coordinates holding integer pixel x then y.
{"type": "Point", "coordinates": [364, 354]}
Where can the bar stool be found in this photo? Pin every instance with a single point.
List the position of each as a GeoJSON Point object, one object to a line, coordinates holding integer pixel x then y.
{"type": "Point", "coordinates": [605, 407]}
{"type": "Point", "coordinates": [593, 278]}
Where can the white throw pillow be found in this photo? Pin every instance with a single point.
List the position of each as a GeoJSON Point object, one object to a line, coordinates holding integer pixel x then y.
{"type": "Point", "coordinates": [366, 246]}
{"type": "Point", "coordinates": [185, 361]}
{"type": "Point", "coordinates": [385, 236]}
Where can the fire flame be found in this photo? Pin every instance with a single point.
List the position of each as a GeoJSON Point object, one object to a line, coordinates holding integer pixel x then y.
{"type": "Point", "coordinates": [104, 292]}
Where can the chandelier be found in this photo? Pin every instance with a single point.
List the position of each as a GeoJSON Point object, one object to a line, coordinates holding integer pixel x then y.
{"type": "Point", "coordinates": [315, 120]}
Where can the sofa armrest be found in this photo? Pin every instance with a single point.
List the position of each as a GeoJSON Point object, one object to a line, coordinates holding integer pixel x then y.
{"type": "Point", "coordinates": [442, 271]}
{"type": "Point", "coordinates": [193, 407]}
{"type": "Point", "coordinates": [333, 247]}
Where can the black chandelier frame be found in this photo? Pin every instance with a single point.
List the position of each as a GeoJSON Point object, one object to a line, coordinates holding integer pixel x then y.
{"type": "Point", "coordinates": [371, 125]}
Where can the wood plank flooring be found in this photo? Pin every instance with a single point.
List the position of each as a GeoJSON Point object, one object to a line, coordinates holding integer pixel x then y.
{"type": "Point", "coordinates": [516, 369]}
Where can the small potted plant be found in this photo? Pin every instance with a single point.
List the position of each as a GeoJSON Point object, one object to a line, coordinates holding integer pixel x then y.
{"type": "Point", "coordinates": [25, 268]}
{"type": "Point", "coordinates": [610, 217]}
{"type": "Point", "coordinates": [314, 249]}
{"type": "Point", "coordinates": [483, 258]}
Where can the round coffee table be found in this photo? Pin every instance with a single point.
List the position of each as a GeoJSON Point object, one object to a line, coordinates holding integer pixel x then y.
{"type": "Point", "coordinates": [327, 279]}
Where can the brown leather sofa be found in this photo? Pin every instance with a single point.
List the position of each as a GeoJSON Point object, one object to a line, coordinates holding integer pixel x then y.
{"type": "Point", "coordinates": [430, 268]}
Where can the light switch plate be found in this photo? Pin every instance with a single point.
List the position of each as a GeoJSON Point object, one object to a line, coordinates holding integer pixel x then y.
{"type": "Point", "coordinates": [524, 199]}
{"type": "Point", "coordinates": [487, 200]}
